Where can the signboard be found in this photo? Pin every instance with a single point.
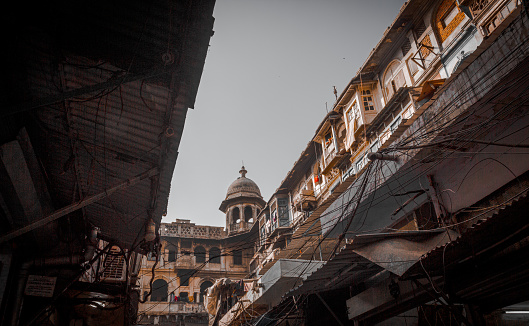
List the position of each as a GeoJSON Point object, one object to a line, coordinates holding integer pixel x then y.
{"type": "Point", "coordinates": [40, 286]}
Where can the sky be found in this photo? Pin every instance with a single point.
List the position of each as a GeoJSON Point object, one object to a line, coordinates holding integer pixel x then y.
{"type": "Point", "coordinates": [266, 86]}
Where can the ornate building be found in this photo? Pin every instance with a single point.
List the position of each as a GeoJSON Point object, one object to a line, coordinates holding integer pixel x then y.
{"type": "Point", "coordinates": [192, 257]}
{"type": "Point", "coordinates": [242, 204]}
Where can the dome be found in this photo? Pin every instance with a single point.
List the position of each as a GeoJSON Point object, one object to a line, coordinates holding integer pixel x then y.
{"type": "Point", "coordinates": [243, 186]}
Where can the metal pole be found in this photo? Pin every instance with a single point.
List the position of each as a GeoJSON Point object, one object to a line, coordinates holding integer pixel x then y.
{"type": "Point", "coordinates": [75, 206]}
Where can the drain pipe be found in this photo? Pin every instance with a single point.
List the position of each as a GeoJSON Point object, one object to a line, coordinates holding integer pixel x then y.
{"type": "Point", "coordinates": [23, 275]}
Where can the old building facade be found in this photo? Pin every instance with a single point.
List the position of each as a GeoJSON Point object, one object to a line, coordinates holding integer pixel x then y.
{"type": "Point", "coordinates": [193, 257]}
{"type": "Point", "coordinates": [405, 208]}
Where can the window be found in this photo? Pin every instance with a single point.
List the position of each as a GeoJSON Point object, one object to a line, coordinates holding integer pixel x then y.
{"type": "Point", "coordinates": [159, 290]}
{"type": "Point", "coordinates": [393, 79]}
{"type": "Point", "coordinates": [237, 257]}
{"type": "Point", "coordinates": [350, 114]}
{"type": "Point", "coordinates": [248, 214]}
{"type": "Point", "coordinates": [214, 255]}
{"type": "Point", "coordinates": [449, 16]}
{"type": "Point", "coordinates": [204, 289]}
{"type": "Point", "coordinates": [284, 216]}
{"type": "Point", "coordinates": [184, 296]}
{"type": "Point", "coordinates": [184, 275]}
{"type": "Point", "coordinates": [367, 99]}
{"type": "Point", "coordinates": [328, 139]}
{"type": "Point", "coordinates": [200, 255]}
{"type": "Point", "coordinates": [172, 253]}
{"type": "Point", "coordinates": [235, 215]}
{"type": "Point", "coordinates": [151, 256]}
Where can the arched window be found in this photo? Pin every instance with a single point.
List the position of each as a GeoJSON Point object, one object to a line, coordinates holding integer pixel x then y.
{"type": "Point", "coordinates": [248, 214]}
{"type": "Point", "coordinates": [200, 254]}
{"type": "Point", "coordinates": [393, 79]}
{"type": "Point", "coordinates": [446, 19]}
{"type": "Point", "coordinates": [203, 289]}
{"type": "Point", "coordinates": [214, 255]}
{"type": "Point", "coordinates": [172, 253]}
{"type": "Point", "coordinates": [159, 290]}
{"type": "Point", "coordinates": [235, 215]}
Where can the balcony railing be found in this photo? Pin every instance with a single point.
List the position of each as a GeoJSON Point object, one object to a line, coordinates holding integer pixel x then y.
{"type": "Point", "coordinates": [192, 231]}
{"type": "Point", "coordinates": [237, 227]}
{"type": "Point", "coordinates": [154, 308]}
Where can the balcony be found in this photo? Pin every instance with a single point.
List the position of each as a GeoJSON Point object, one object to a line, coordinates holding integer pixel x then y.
{"type": "Point", "coordinates": [240, 227]}
{"type": "Point", "coordinates": [156, 308]}
{"type": "Point", "coordinates": [307, 200]}
{"type": "Point", "coordinates": [331, 157]}
{"type": "Point", "coordinates": [192, 231]}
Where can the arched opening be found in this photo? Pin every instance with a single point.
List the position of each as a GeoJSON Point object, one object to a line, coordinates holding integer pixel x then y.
{"type": "Point", "coordinates": [248, 214]}
{"type": "Point", "coordinates": [200, 255]}
{"type": "Point", "coordinates": [203, 289]}
{"type": "Point", "coordinates": [236, 215]}
{"type": "Point", "coordinates": [172, 253]}
{"type": "Point", "coordinates": [214, 255]}
{"type": "Point", "coordinates": [159, 290]}
{"type": "Point", "coordinates": [393, 79]}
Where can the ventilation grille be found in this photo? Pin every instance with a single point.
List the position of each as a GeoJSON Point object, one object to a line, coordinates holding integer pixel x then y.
{"type": "Point", "coordinates": [406, 47]}
{"type": "Point", "coordinates": [114, 268]}
{"type": "Point", "coordinates": [420, 29]}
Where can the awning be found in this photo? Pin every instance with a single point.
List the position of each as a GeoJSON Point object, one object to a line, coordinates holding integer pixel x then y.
{"type": "Point", "coordinates": [369, 254]}
{"type": "Point", "coordinates": [499, 226]}
{"type": "Point", "coordinates": [398, 251]}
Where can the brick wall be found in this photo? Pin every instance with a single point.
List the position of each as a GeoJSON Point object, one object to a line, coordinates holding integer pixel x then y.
{"type": "Point", "coordinates": [444, 8]}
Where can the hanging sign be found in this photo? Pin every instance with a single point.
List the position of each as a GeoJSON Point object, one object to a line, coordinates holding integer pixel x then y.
{"type": "Point", "coordinates": [40, 286]}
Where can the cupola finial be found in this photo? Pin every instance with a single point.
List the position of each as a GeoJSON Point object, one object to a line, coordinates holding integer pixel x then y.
{"type": "Point", "coordinates": [243, 172]}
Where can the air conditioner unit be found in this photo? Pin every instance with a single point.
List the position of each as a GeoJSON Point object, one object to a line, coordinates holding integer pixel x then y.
{"type": "Point", "coordinates": [113, 267]}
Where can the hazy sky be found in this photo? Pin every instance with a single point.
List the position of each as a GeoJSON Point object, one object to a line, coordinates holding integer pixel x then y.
{"type": "Point", "coordinates": [269, 72]}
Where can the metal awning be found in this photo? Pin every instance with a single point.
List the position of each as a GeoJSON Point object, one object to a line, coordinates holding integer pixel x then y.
{"type": "Point", "coordinates": [369, 254]}
{"type": "Point", "coordinates": [398, 251]}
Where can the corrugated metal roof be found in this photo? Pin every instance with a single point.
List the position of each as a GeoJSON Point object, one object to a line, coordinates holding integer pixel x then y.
{"type": "Point", "coordinates": [368, 254]}
{"type": "Point", "coordinates": [345, 268]}
{"type": "Point", "coordinates": [92, 141]}
{"type": "Point", "coordinates": [496, 225]}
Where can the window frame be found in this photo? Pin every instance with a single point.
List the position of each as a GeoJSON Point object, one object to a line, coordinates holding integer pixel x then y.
{"type": "Point", "coordinates": [371, 103]}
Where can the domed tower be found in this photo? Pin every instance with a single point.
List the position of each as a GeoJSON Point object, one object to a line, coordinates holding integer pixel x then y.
{"type": "Point", "coordinates": [242, 204]}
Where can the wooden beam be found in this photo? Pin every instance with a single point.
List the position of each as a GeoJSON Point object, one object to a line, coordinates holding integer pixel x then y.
{"type": "Point", "coordinates": [75, 206]}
